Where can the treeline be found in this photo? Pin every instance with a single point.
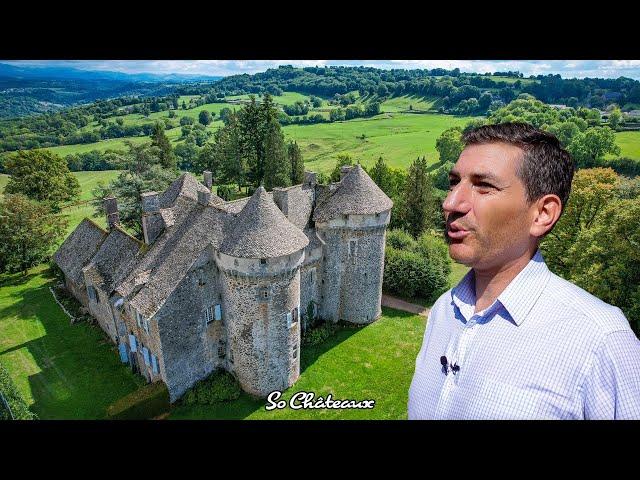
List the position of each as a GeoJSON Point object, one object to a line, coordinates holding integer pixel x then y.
{"type": "Point", "coordinates": [65, 127]}
{"type": "Point", "coordinates": [329, 81]}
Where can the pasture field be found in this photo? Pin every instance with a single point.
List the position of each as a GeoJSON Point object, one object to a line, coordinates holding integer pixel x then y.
{"type": "Point", "coordinates": [629, 143]}
{"type": "Point", "coordinates": [402, 104]}
{"type": "Point", "coordinates": [398, 138]}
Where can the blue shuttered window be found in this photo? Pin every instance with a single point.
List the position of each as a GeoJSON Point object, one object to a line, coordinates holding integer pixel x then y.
{"type": "Point", "coordinates": [145, 353]}
{"type": "Point", "coordinates": [123, 353]}
{"type": "Point", "coordinates": [133, 343]}
{"type": "Point", "coordinates": [154, 364]}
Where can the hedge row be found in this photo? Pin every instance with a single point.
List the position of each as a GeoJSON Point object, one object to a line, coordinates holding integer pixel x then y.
{"type": "Point", "coordinates": [220, 386]}
{"type": "Point", "coordinates": [16, 403]}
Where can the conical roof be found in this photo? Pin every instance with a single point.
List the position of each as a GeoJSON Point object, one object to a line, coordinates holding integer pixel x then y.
{"type": "Point", "coordinates": [262, 231]}
{"type": "Point", "coordinates": [357, 194]}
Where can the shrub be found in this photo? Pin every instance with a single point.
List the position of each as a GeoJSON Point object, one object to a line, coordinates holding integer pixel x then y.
{"type": "Point", "coordinates": [16, 403]}
{"type": "Point", "coordinates": [220, 386]}
{"type": "Point", "coordinates": [317, 335]}
{"type": "Point", "coordinates": [400, 239]}
{"type": "Point", "coordinates": [412, 274]}
{"type": "Point", "coordinates": [147, 402]}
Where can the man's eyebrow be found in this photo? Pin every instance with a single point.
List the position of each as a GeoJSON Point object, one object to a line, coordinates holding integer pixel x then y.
{"type": "Point", "coordinates": [478, 177]}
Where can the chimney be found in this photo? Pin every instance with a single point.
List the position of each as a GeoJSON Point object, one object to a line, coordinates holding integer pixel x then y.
{"type": "Point", "coordinates": [204, 197]}
{"type": "Point", "coordinates": [152, 221]}
{"type": "Point", "coordinates": [208, 179]}
{"type": "Point", "coordinates": [344, 170]}
{"type": "Point", "coordinates": [310, 178]}
{"type": "Point", "coordinates": [111, 209]}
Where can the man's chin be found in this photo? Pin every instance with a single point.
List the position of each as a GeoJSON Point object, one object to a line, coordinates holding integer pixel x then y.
{"type": "Point", "coordinates": [461, 253]}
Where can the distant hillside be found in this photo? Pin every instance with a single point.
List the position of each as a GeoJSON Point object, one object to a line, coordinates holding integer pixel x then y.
{"type": "Point", "coordinates": [31, 90]}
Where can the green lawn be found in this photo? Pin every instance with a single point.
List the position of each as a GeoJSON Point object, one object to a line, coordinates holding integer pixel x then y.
{"type": "Point", "coordinates": [375, 362]}
{"type": "Point", "coordinates": [629, 143]}
{"type": "Point", "coordinates": [62, 371]}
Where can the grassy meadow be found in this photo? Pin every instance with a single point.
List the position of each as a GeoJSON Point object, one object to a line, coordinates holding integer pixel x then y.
{"type": "Point", "coordinates": [62, 371]}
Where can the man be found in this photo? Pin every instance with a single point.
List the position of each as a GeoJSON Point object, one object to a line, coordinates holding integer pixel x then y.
{"type": "Point", "coordinates": [513, 340]}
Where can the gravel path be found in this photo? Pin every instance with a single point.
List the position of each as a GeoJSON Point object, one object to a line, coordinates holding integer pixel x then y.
{"type": "Point", "coordinates": [398, 304]}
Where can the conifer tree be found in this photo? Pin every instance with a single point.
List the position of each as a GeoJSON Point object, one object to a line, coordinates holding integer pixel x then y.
{"type": "Point", "coordinates": [418, 206]}
{"type": "Point", "coordinates": [297, 164]}
{"type": "Point", "coordinates": [159, 139]}
{"type": "Point", "coordinates": [277, 167]}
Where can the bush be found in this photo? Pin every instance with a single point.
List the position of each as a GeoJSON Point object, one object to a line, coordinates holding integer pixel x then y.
{"type": "Point", "coordinates": [420, 272]}
{"type": "Point", "coordinates": [624, 166]}
{"type": "Point", "coordinates": [145, 403]}
{"type": "Point", "coordinates": [317, 335]}
{"type": "Point", "coordinates": [16, 403]}
{"type": "Point", "coordinates": [400, 239]}
{"type": "Point", "coordinates": [220, 386]}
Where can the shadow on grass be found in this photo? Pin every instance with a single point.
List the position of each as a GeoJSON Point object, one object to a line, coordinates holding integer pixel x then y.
{"type": "Point", "coordinates": [73, 371]}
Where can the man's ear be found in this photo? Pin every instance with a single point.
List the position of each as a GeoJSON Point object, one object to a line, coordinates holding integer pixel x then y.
{"type": "Point", "coordinates": [546, 212]}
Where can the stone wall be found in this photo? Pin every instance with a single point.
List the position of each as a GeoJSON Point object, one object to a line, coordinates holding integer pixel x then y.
{"type": "Point", "coordinates": [78, 291]}
{"type": "Point", "coordinates": [264, 352]}
{"type": "Point", "coordinates": [296, 203]}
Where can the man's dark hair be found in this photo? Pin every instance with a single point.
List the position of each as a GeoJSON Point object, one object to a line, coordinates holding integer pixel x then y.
{"type": "Point", "coordinates": [546, 167]}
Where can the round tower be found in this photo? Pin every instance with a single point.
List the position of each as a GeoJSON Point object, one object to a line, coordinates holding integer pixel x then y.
{"type": "Point", "coordinates": [260, 262]}
{"type": "Point", "coordinates": [352, 223]}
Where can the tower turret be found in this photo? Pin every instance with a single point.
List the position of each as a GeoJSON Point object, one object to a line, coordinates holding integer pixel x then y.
{"type": "Point", "coordinates": [260, 261]}
{"type": "Point", "coordinates": [352, 223]}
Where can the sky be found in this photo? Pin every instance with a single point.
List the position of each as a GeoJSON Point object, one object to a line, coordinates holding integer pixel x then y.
{"type": "Point", "coordinates": [566, 68]}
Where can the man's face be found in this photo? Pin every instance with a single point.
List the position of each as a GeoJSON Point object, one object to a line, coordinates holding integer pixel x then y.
{"type": "Point", "coordinates": [487, 215]}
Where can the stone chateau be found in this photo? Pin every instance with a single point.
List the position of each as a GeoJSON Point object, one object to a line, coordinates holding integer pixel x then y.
{"type": "Point", "coordinates": [220, 284]}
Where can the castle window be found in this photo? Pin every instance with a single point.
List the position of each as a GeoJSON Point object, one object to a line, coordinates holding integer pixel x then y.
{"type": "Point", "coordinates": [92, 293]}
{"type": "Point", "coordinates": [293, 317]}
{"type": "Point", "coordinates": [352, 247]}
{"type": "Point", "coordinates": [208, 315]}
{"type": "Point", "coordinates": [218, 312]}
{"type": "Point", "coordinates": [231, 356]}
{"type": "Point", "coordinates": [295, 352]}
{"type": "Point", "coordinates": [154, 364]}
{"type": "Point", "coordinates": [263, 261]}
{"type": "Point", "coordinates": [140, 320]}
{"type": "Point", "coordinates": [145, 324]}
{"type": "Point", "coordinates": [221, 349]}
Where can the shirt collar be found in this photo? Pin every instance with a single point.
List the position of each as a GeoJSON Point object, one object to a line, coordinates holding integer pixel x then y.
{"type": "Point", "coordinates": [518, 298]}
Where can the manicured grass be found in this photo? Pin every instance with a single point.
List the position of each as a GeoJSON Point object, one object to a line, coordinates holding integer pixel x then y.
{"type": "Point", "coordinates": [629, 143]}
{"type": "Point", "coordinates": [374, 362]}
{"type": "Point", "coordinates": [399, 138]}
{"type": "Point", "coordinates": [62, 371]}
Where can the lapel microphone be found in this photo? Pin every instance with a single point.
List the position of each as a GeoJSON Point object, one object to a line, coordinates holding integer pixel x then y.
{"type": "Point", "coordinates": [455, 368]}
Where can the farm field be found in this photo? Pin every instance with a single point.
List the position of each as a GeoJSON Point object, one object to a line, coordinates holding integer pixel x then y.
{"type": "Point", "coordinates": [629, 143]}
{"type": "Point", "coordinates": [62, 371]}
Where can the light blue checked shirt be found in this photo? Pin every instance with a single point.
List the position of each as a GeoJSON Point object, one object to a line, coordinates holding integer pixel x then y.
{"type": "Point", "coordinates": [545, 349]}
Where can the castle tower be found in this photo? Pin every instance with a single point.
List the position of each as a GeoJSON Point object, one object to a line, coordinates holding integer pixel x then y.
{"type": "Point", "coordinates": [260, 262]}
{"type": "Point", "coordinates": [352, 223]}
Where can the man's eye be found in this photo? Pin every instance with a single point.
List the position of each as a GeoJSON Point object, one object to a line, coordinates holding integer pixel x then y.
{"type": "Point", "coordinates": [485, 186]}
{"type": "Point", "coordinates": [452, 183]}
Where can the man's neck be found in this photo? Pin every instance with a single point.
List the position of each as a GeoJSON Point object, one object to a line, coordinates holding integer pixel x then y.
{"type": "Point", "coordinates": [491, 282]}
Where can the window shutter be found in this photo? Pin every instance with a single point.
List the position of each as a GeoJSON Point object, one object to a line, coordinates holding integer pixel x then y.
{"type": "Point", "coordinates": [218, 312]}
{"type": "Point", "coordinates": [124, 358]}
{"type": "Point", "coordinates": [154, 363]}
{"type": "Point", "coordinates": [146, 325]}
{"type": "Point", "coordinates": [288, 319]}
{"type": "Point", "coordinates": [145, 354]}
{"type": "Point", "coordinates": [132, 343]}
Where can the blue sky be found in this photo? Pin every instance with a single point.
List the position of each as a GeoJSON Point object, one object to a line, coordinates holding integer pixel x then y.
{"type": "Point", "coordinates": [566, 68]}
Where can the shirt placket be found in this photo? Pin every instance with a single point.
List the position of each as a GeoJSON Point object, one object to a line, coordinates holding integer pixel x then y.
{"type": "Point", "coordinates": [456, 354]}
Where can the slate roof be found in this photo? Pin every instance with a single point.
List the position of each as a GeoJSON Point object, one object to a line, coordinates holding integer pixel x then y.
{"type": "Point", "coordinates": [261, 230]}
{"type": "Point", "coordinates": [170, 257]}
{"type": "Point", "coordinates": [185, 185]}
{"type": "Point", "coordinates": [78, 248]}
{"type": "Point", "coordinates": [357, 194]}
{"type": "Point", "coordinates": [114, 259]}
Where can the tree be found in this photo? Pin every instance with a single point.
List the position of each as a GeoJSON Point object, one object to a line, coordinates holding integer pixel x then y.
{"type": "Point", "coordinates": [204, 117]}
{"type": "Point", "coordinates": [449, 145]}
{"type": "Point", "coordinates": [186, 121]}
{"type": "Point", "coordinates": [229, 152]}
{"type": "Point", "coordinates": [297, 163]}
{"type": "Point", "coordinates": [382, 176]}
{"type": "Point", "coordinates": [184, 105]}
{"type": "Point", "coordinates": [161, 142]}
{"type": "Point", "coordinates": [277, 167]}
{"type": "Point", "coordinates": [187, 153]}
{"type": "Point", "coordinates": [28, 232]}
{"type": "Point", "coordinates": [418, 208]}
{"type": "Point", "coordinates": [342, 160]}
{"type": "Point", "coordinates": [42, 176]}
{"type": "Point", "coordinates": [615, 118]}
{"type": "Point", "coordinates": [589, 148]}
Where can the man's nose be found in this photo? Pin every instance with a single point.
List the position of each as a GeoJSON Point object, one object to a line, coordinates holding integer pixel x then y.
{"type": "Point", "coordinates": [458, 199]}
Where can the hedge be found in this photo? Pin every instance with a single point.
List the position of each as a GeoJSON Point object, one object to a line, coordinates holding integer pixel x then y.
{"type": "Point", "coordinates": [145, 403]}
{"type": "Point", "coordinates": [16, 403]}
{"type": "Point", "coordinates": [220, 386]}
